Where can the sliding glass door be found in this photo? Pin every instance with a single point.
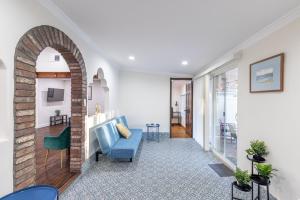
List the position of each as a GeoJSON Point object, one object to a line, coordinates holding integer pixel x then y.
{"type": "Point", "coordinates": [225, 114]}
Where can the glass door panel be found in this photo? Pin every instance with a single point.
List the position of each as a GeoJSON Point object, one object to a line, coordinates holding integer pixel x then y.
{"type": "Point", "coordinates": [225, 114]}
{"type": "Point", "coordinates": [231, 115]}
{"type": "Point", "coordinates": [219, 113]}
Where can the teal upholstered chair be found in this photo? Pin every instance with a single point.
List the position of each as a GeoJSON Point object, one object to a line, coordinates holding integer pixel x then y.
{"type": "Point", "coordinates": [60, 142]}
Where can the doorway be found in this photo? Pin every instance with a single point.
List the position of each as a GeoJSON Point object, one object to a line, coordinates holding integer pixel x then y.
{"type": "Point", "coordinates": [53, 114]}
{"type": "Point", "coordinates": [181, 108]}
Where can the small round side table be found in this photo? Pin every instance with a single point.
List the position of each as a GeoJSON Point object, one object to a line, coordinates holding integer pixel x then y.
{"type": "Point", "coordinates": [246, 188]}
{"type": "Point", "coordinates": [153, 129]}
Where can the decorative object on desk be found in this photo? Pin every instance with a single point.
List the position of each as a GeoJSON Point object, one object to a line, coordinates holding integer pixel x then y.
{"type": "Point", "coordinates": [57, 112]}
{"type": "Point", "coordinates": [176, 107]}
{"type": "Point", "coordinates": [258, 150]}
{"type": "Point", "coordinates": [267, 75]}
{"type": "Point", "coordinates": [242, 177]}
{"type": "Point", "coordinates": [90, 92]}
{"type": "Point", "coordinates": [97, 109]}
{"type": "Point", "coordinates": [265, 171]}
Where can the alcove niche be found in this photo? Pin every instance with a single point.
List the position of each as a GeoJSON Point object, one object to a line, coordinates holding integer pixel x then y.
{"type": "Point", "coordinates": [98, 94]}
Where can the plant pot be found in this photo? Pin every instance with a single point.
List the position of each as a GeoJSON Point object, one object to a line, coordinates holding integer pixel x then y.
{"type": "Point", "coordinates": [261, 180]}
{"type": "Point", "coordinates": [259, 158]}
{"type": "Point", "coordinates": [57, 112]}
{"type": "Point", "coordinates": [243, 186]}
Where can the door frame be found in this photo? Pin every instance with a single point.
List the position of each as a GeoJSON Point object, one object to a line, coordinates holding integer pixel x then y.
{"type": "Point", "coordinates": [170, 103]}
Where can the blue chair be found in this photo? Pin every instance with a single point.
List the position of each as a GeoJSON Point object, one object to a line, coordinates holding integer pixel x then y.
{"type": "Point", "coordinates": [38, 192]}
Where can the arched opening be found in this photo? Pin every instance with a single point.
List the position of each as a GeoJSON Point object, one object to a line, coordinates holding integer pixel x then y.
{"type": "Point", "coordinates": [28, 49]}
{"type": "Point", "coordinates": [52, 114]}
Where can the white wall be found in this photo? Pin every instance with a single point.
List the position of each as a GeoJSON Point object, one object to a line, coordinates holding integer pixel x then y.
{"type": "Point", "coordinates": [202, 127]}
{"type": "Point", "coordinates": [271, 117]}
{"type": "Point", "coordinates": [46, 109]}
{"type": "Point", "coordinates": [16, 18]}
{"type": "Point", "coordinates": [145, 98]}
{"type": "Point", "coordinates": [45, 63]}
{"type": "Point", "coordinates": [274, 117]}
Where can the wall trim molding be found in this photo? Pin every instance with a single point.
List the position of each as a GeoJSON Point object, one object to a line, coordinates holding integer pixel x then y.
{"type": "Point", "coordinates": [258, 36]}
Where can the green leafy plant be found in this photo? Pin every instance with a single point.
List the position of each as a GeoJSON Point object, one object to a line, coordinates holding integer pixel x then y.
{"type": "Point", "coordinates": [265, 170]}
{"type": "Point", "coordinates": [258, 148]}
{"type": "Point", "coordinates": [242, 177]}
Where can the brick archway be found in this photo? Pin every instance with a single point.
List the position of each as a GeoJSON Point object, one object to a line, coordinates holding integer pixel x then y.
{"type": "Point", "coordinates": [28, 49]}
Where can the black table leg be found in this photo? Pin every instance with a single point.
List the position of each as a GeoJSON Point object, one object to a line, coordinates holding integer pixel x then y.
{"type": "Point", "coordinates": [232, 191]}
{"type": "Point", "coordinates": [147, 133]}
{"type": "Point", "coordinates": [97, 155]}
{"type": "Point", "coordinates": [158, 134]}
{"type": "Point", "coordinates": [268, 194]}
{"type": "Point", "coordinates": [252, 190]}
{"type": "Point", "coordinates": [258, 192]}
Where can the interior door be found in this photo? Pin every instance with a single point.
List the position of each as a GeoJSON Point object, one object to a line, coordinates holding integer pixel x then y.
{"type": "Point", "coordinates": [189, 108]}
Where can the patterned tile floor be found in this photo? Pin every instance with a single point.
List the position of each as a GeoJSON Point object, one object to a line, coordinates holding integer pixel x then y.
{"type": "Point", "coordinates": [172, 169]}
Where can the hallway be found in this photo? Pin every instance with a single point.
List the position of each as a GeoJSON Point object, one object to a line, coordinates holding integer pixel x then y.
{"type": "Point", "coordinates": [178, 131]}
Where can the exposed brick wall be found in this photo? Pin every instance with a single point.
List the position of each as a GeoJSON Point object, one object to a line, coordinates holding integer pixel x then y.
{"type": "Point", "coordinates": [29, 47]}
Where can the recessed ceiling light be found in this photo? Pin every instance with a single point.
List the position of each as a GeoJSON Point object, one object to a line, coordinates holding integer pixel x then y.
{"type": "Point", "coordinates": [131, 58]}
{"type": "Point", "coordinates": [184, 63]}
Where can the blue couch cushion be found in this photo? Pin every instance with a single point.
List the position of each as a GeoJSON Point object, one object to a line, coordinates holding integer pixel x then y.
{"type": "Point", "coordinates": [114, 129]}
{"type": "Point", "coordinates": [107, 137]}
{"type": "Point", "coordinates": [127, 148]}
{"type": "Point", "coordinates": [123, 120]}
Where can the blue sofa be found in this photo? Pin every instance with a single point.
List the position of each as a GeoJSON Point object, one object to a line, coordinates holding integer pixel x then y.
{"type": "Point", "coordinates": [115, 146]}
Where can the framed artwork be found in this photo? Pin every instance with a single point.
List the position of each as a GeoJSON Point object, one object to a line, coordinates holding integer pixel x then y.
{"type": "Point", "coordinates": [90, 92]}
{"type": "Point", "coordinates": [267, 75]}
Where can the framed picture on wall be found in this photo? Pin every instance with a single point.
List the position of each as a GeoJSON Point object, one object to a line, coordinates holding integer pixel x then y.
{"type": "Point", "coordinates": [90, 92]}
{"type": "Point", "coordinates": [267, 75]}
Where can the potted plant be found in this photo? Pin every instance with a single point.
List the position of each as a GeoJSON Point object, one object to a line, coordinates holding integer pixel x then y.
{"type": "Point", "coordinates": [242, 177]}
{"type": "Point", "coordinates": [258, 150]}
{"type": "Point", "coordinates": [57, 112]}
{"type": "Point", "coordinates": [265, 171]}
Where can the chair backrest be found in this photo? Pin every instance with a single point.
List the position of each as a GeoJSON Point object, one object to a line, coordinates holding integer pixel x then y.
{"type": "Point", "coordinates": [107, 136]}
{"type": "Point", "coordinates": [122, 119]}
{"type": "Point", "coordinates": [65, 137]}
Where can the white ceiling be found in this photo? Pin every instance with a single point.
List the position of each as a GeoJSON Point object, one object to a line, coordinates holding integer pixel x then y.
{"type": "Point", "coordinates": [162, 33]}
